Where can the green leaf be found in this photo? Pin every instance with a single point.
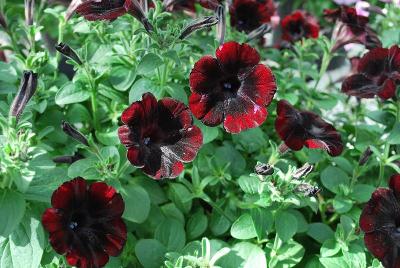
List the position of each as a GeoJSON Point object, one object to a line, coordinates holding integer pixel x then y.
{"type": "Point", "coordinates": [196, 225]}
{"type": "Point", "coordinates": [249, 184]}
{"type": "Point", "coordinates": [243, 227]}
{"type": "Point", "coordinates": [7, 73]}
{"type": "Point", "coordinates": [289, 254]}
{"type": "Point", "coordinates": [209, 133]}
{"type": "Point", "coordinates": [244, 255]}
{"type": "Point", "coordinates": [149, 63]}
{"type": "Point", "coordinates": [333, 178]}
{"type": "Point", "coordinates": [171, 234]}
{"type": "Point", "coordinates": [394, 136]}
{"type": "Point", "coordinates": [138, 203]}
{"type": "Point", "coordinates": [12, 209]}
{"type": "Point", "coordinates": [285, 225]}
{"type": "Point", "coordinates": [251, 140]}
{"type": "Point", "coordinates": [121, 78]}
{"type": "Point", "coordinates": [181, 196]}
{"type": "Point", "coordinates": [227, 154]}
{"type": "Point", "coordinates": [142, 86]}
{"type": "Point", "coordinates": [150, 253]}
{"type": "Point", "coordinates": [342, 204]}
{"type": "Point", "coordinates": [71, 93]}
{"type": "Point", "coordinates": [27, 243]}
{"type": "Point", "coordinates": [355, 257]}
{"type": "Point", "coordinates": [330, 248]}
{"type": "Point", "coordinates": [335, 262]}
{"type": "Point", "coordinates": [320, 232]}
{"type": "Point", "coordinates": [263, 221]}
{"type": "Point", "coordinates": [362, 192]}
{"type": "Point", "coordinates": [85, 168]}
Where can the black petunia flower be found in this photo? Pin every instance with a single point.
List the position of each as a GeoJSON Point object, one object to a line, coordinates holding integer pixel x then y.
{"type": "Point", "coordinates": [351, 28]}
{"type": "Point", "coordinates": [380, 221]}
{"type": "Point", "coordinates": [248, 15]}
{"type": "Point", "coordinates": [233, 88]}
{"type": "Point", "coordinates": [85, 223]}
{"type": "Point", "coordinates": [304, 128]}
{"type": "Point", "coordinates": [299, 25]}
{"type": "Point", "coordinates": [160, 136]}
{"type": "Point", "coordinates": [378, 73]}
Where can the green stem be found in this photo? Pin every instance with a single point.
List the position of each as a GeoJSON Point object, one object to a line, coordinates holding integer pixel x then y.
{"type": "Point", "coordinates": [217, 208]}
{"type": "Point", "coordinates": [93, 96]}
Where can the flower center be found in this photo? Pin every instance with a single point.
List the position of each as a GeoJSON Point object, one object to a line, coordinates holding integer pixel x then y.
{"type": "Point", "coordinates": [146, 140]}
{"type": "Point", "coordinates": [77, 220]}
{"type": "Point", "coordinates": [231, 84]}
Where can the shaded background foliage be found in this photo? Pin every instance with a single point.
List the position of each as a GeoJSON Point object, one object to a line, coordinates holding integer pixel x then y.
{"type": "Point", "coordinates": [248, 221]}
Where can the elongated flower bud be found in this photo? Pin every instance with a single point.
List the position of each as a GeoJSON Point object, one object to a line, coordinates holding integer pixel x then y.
{"type": "Point", "coordinates": [26, 90]}
{"type": "Point", "coordinates": [3, 22]}
{"type": "Point", "coordinates": [303, 171]}
{"type": "Point", "coordinates": [198, 24]}
{"type": "Point", "coordinates": [365, 156]}
{"type": "Point", "coordinates": [221, 27]}
{"type": "Point", "coordinates": [308, 189]}
{"type": "Point", "coordinates": [263, 169]}
{"type": "Point", "coordinates": [134, 8]}
{"type": "Point", "coordinates": [67, 159]}
{"type": "Point", "coordinates": [29, 10]}
{"type": "Point", "coordinates": [73, 133]}
{"type": "Point", "coordinates": [259, 32]}
{"type": "Point", "coordinates": [68, 52]}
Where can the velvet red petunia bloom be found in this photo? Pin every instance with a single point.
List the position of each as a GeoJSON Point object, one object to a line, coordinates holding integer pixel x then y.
{"type": "Point", "coordinates": [160, 136]}
{"type": "Point", "coordinates": [304, 128]}
{"type": "Point", "coordinates": [351, 28]}
{"type": "Point", "coordinates": [380, 221]}
{"type": "Point", "coordinates": [378, 73]}
{"type": "Point", "coordinates": [299, 25]}
{"type": "Point", "coordinates": [233, 88]}
{"type": "Point", "coordinates": [85, 223]}
{"type": "Point", "coordinates": [248, 15]}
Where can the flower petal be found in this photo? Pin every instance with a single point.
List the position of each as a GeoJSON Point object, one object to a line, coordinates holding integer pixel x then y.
{"type": "Point", "coordinates": [178, 110]}
{"type": "Point", "coordinates": [101, 10]}
{"type": "Point", "coordinates": [52, 220]}
{"type": "Point", "coordinates": [69, 194]}
{"type": "Point", "coordinates": [234, 56]}
{"type": "Point", "coordinates": [115, 240]}
{"type": "Point", "coordinates": [204, 75]}
{"type": "Point", "coordinates": [136, 156]}
{"type": "Point", "coordinates": [360, 86]}
{"type": "Point", "coordinates": [207, 108]}
{"type": "Point", "coordinates": [379, 244]}
{"type": "Point", "coordinates": [242, 113]}
{"type": "Point", "coordinates": [394, 184]}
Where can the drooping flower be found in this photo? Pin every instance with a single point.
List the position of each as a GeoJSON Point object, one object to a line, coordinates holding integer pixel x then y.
{"type": "Point", "coordinates": [351, 28]}
{"type": "Point", "coordinates": [85, 223]}
{"type": "Point", "coordinates": [248, 15]}
{"type": "Point", "coordinates": [299, 25]}
{"type": "Point", "coordinates": [160, 136]}
{"type": "Point", "coordinates": [26, 91]}
{"type": "Point", "coordinates": [380, 221]}
{"type": "Point", "coordinates": [304, 128]}
{"type": "Point", "coordinates": [233, 88]}
{"type": "Point", "coordinates": [378, 74]}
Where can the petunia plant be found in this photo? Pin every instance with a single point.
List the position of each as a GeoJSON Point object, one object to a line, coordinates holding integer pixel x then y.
{"type": "Point", "coordinates": [199, 133]}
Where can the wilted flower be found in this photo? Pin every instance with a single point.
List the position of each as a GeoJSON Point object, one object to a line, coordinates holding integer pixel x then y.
{"type": "Point", "coordinates": [351, 28]}
{"type": "Point", "coordinates": [221, 27]}
{"type": "Point", "coordinates": [67, 159]}
{"type": "Point", "coordinates": [299, 25]}
{"type": "Point", "coordinates": [26, 90]}
{"type": "Point", "coordinates": [378, 74]}
{"type": "Point", "coordinates": [365, 156]}
{"type": "Point", "coordinates": [198, 24]}
{"type": "Point", "coordinates": [304, 128]}
{"type": "Point", "coordinates": [380, 222]}
{"type": "Point", "coordinates": [248, 15]}
{"type": "Point", "coordinates": [233, 88]}
{"type": "Point", "coordinates": [85, 223]}
{"type": "Point", "coordinates": [259, 32]}
{"type": "Point", "coordinates": [73, 133]}
{"type": "Point", "coordinates": [210, 4]}
{"type": "Point", "coordinates": [160, 136]}
{"type": "Point", "coordinates": [308, 189]}
{"type": "Point", "coordinates": [68, 52]}
{"type": "Point", "coordinates": [178, 5]}
{"type": "Point", "coordinates": [303, 171]}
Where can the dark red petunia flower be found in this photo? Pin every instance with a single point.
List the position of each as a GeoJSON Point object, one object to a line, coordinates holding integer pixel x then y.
{"type": "Point", "coordinates": [248, 15]}
{"type": "Point", "coordinates": [378, 73]}
{"type": "Point", "coordinates": [101, 9]}
{"type": "Point", "coordinates": [380, 221]}
{"type": "Point", "coordinates": [299, 25]}
{"type": "Point", "coordinates": [210, 4]}
{"type": "Point", "coordinates": [180, 5]}
{"type": "Point", "coordinates": [304, 128]}
{"type": "Point", "coordinates": [160, 136]}
{"type": "Point", "coordinates": [85, 223]}
{"type": "Point", "coordinates": [351, 28]}
{"type": "Point", "coordinates": [233, 88]}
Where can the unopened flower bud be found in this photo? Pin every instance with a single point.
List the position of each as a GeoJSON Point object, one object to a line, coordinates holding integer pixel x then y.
{"type": "Point", "coordinates": [29, 10]}
{"type": "Point", "coordinates": [259, 32]}
{"type": "Point", "coordinates": [26, 90]}
{"type": "Point", "coordinates": [221, 27]}
{"type": "Point", "coordinates": [134, 8]}
{"type": "Point", "coordinates": [67, 159]}
{"type": "Point", "coordinates": [68, 52]}
{"type": "Point", "coordinates": [3, 22]}
{"type": "Point", "coordinates": [365, 156]}
{"type": "Point", "coordinates": [308, 189]}
{"type": "Point", "coordinates": [303, 171]}
{"type": "Point", "coordinates": [73, 133]}
{"type": "Point", "coordinates": [198, 24]}
{"type": "Point", "coordinates": [263, 169]}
